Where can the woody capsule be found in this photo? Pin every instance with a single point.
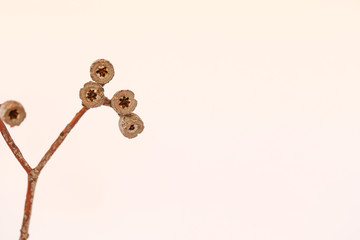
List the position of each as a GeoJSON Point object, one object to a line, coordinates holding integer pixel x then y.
{"type": "Point", "coordinates": [12, 113]}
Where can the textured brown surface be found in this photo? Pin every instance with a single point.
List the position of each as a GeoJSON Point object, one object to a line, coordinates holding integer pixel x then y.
{"type": "Point", "coordinates": [92, 95]}
{"type": "Point", "coordinates": [123, 102]}
{"type": "Point", "coordinates": [102, 71]}
{"type": "Point", "coordinates": [131, 125]}
{"type": "Point", "coordinates": [12, 112]}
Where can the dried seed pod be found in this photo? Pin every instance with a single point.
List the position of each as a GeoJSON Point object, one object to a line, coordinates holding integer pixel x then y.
{"type": "Point", "coordinates": [12, 113]}
{"type": "Point", "coordinates": [123, 102]}
{"type": "Point", "coordinates": [131, 125]}
{"type": "Point", "coordinates": [102, 71]}
{"type": "Point", "coordinates": [92, 95]}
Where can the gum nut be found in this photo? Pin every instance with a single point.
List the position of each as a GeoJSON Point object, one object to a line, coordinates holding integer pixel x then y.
{"type": "Point", "coordinates": [12, 113]}
{"type": "Point", "coordinates": [131, 125]}
{"type": "Point", "coordinates": [101, 71]}
{"type": "Point", "coordinates": [123, 102]}
{"type": "Point", "coordinates": [92, 95]}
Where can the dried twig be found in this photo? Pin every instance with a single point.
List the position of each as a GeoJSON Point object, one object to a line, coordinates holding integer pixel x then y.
{"type": "Point", "coordinates": [60, 139]}
{"type": "Point", "coordinates": [16, 151]}
{"type": "Point", "coordinates": [92, 95]}
{"type": "Point", "coordinates": [34, 174]}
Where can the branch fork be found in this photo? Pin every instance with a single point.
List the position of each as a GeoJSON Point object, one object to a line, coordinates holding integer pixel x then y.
{"type": "Point", "coordinates": [92, 95]}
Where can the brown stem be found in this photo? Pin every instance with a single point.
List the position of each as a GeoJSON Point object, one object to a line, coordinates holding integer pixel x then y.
{"type": "Point", "coordinates": [33, 174]}
{"type": "Point", "coordinates": [60, 139]}
{"type": "Point", "coordinates": [32, 179]}
{"type": "Point", "coordinates": [16, 151]}
{"type": "Point", "coordinates": [107, 102]}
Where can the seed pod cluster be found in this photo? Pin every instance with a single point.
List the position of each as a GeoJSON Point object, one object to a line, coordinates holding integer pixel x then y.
{"type": "Point", "coordinates": [123, 101]}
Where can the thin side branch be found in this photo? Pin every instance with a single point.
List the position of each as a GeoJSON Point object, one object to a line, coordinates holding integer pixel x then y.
{"type": "Point", "coordinates": [107, 102]}
{"type": "Point", "coordinates": [16, 151]}
{"type": "Point", "coordinates": [60, 139]}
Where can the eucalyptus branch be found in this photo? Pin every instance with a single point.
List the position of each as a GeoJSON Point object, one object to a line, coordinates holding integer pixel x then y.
{"type": "Point", "coordinates": [92, 95]}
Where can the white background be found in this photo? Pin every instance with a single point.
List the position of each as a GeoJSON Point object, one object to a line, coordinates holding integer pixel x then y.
{"type": "Point", "coordinates": [251, 112]}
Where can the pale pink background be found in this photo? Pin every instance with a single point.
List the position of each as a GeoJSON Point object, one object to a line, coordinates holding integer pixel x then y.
{"type": "Point", "coordinates": [251, 108]}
